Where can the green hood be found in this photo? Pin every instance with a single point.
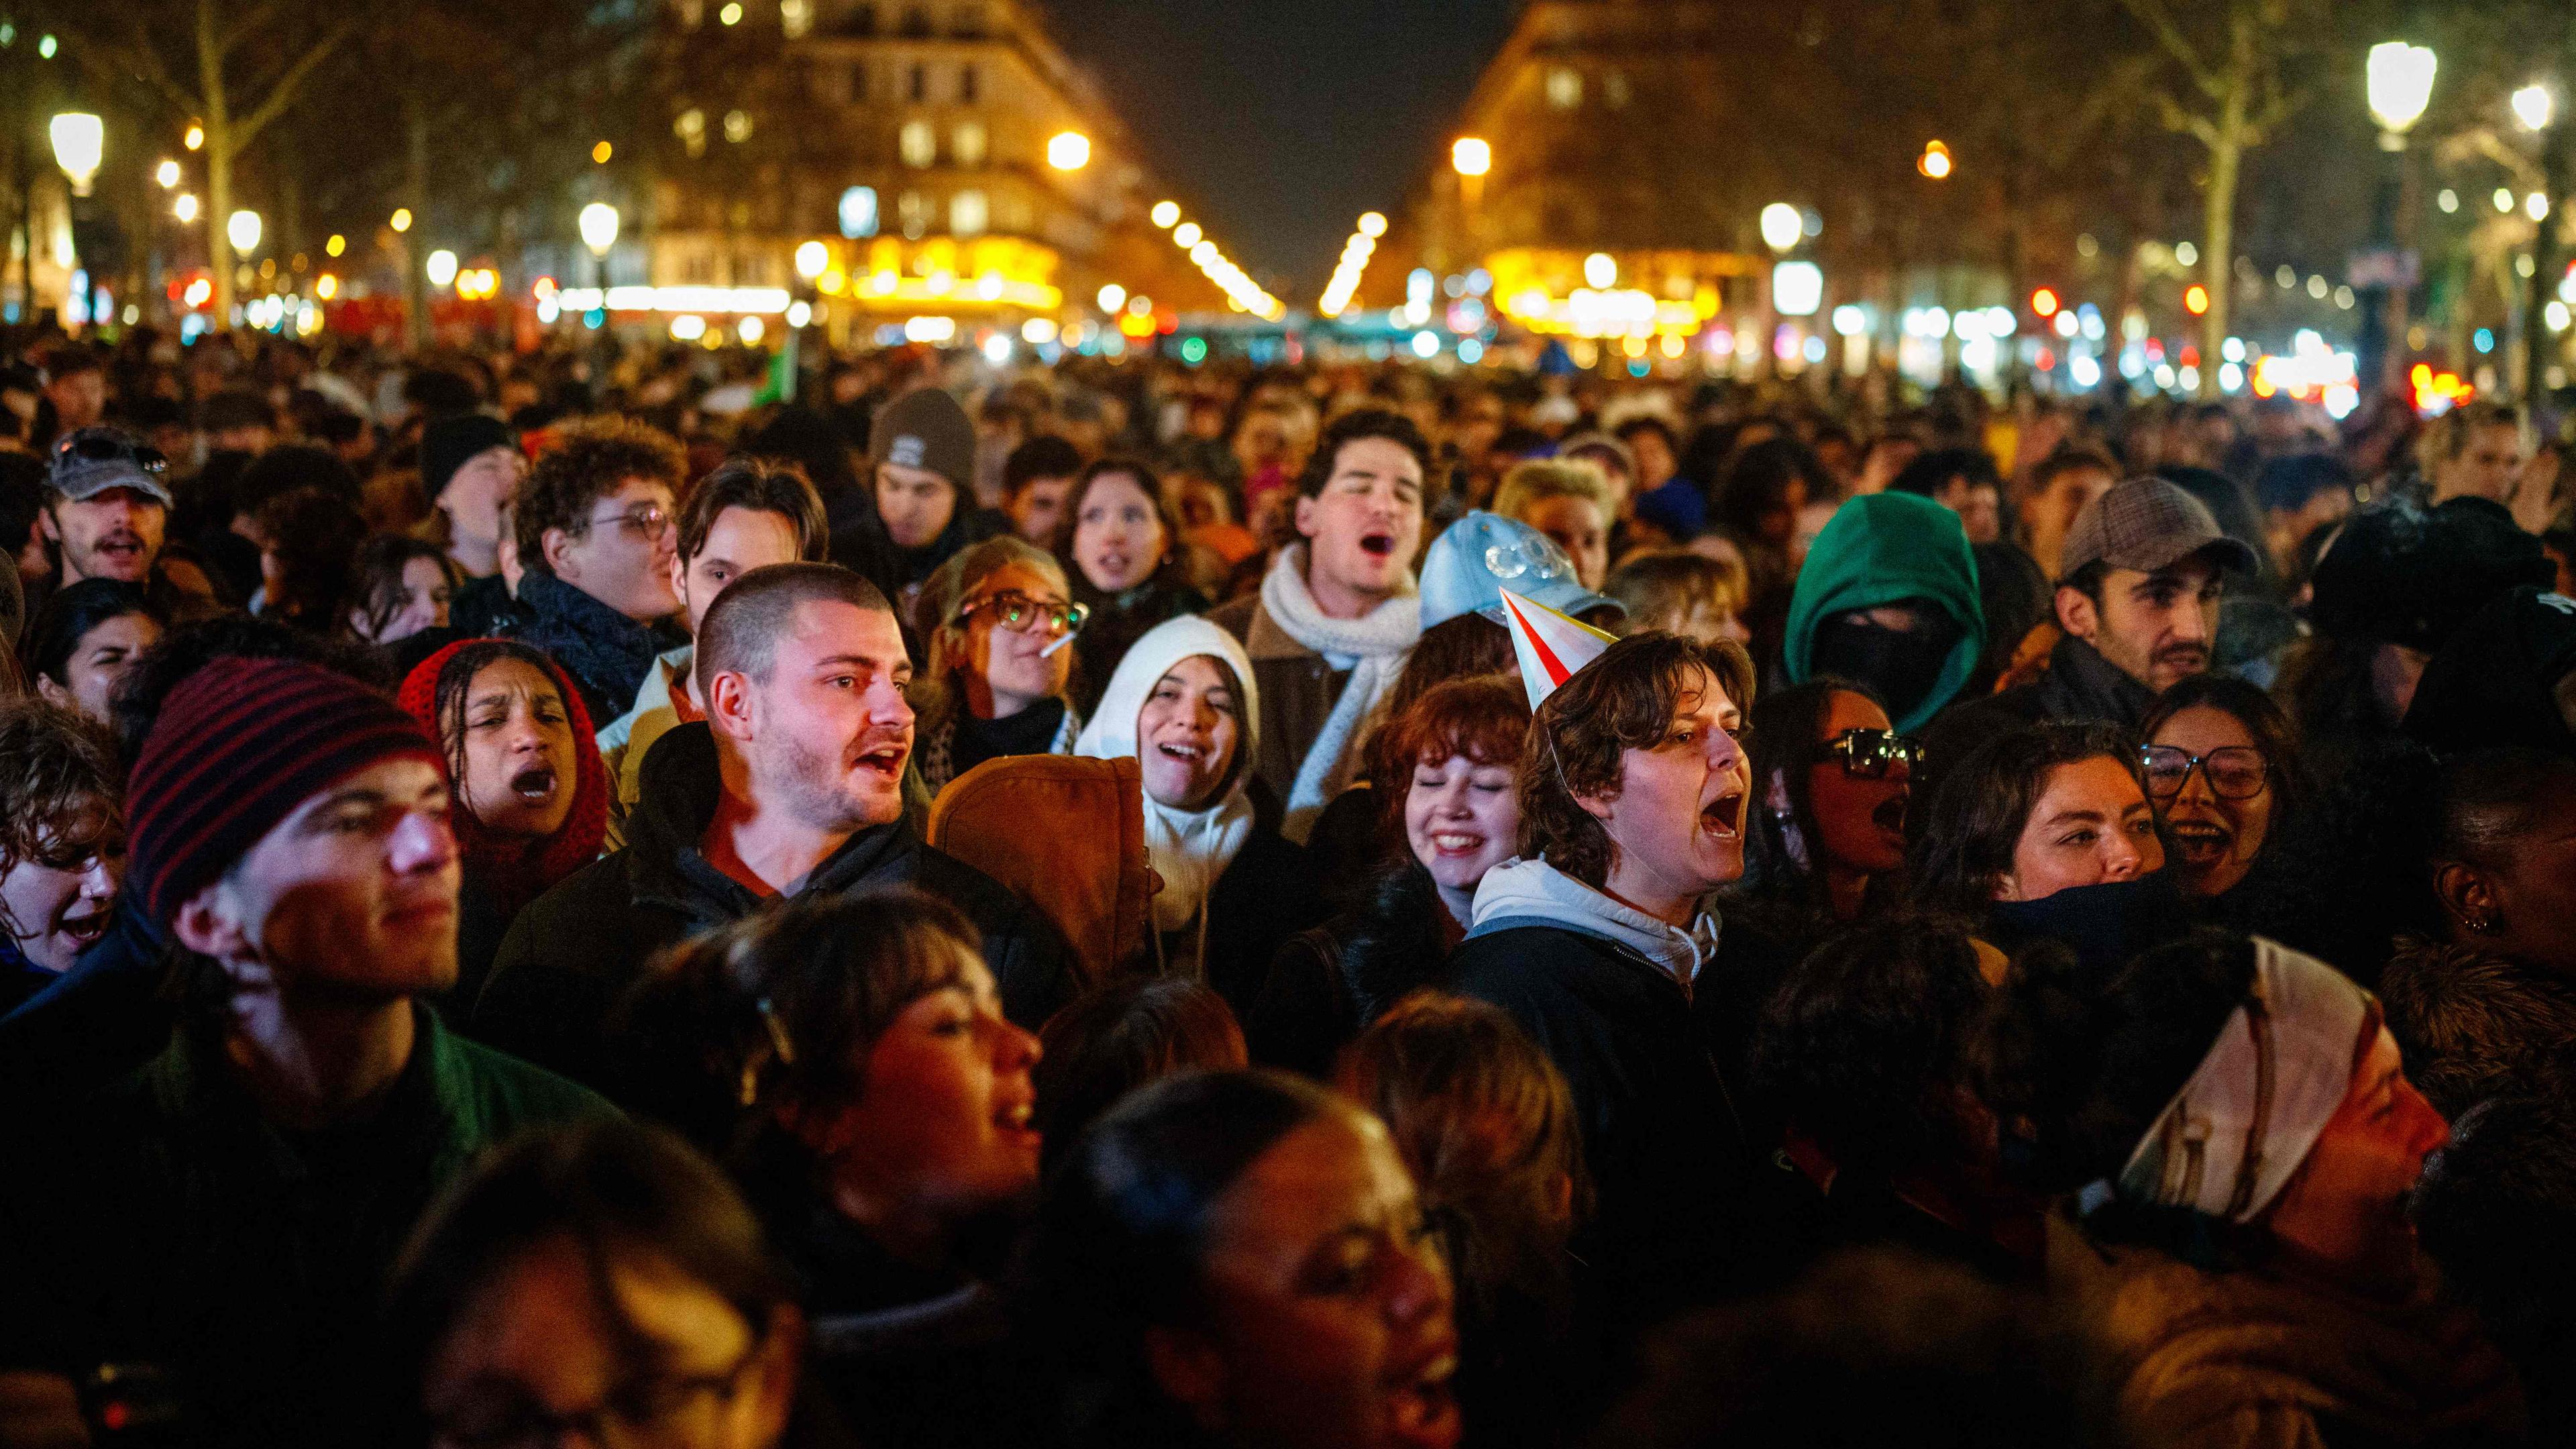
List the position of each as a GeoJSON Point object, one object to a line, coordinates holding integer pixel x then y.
{"type": "Point", "coordinates": [1879, 549]}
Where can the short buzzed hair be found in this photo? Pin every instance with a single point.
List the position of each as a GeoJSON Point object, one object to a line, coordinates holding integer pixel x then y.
{"type": "Point", "coordinates": [740, 633]}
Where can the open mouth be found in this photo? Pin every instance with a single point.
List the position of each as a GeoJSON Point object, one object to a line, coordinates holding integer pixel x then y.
{"type": "Point", "coordinates": [2198, 839]}
{"type": "Point", "coordinates": [1456, 843]}
{"type": "Point", "coordinates": [122, 545]}
{"type": "Point", "coordinates": [1890, 815]}
{"type": "Point", "coordinates": [1424, 1407]}
{"type": "Point", "coordinates": [885, 761]}
{"type": "Point", "coordinates": [1184, 753]}
{"type": "Point", "coordinates": [1378, 545]}
{"type": "Point", "coordinates": [1018, 1120]}
{"type": "Point", "coordinates": [85, 928]}
{"type": "Point", "coordinates": [1721, 817]}
{"type": "Point", "coordinates": [534, 785]}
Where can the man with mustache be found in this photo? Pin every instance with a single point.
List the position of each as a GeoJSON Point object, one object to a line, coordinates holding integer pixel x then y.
{"type": "Point", "coordinates": [2139, 581]}
{"type": "Point", "coordinates": [791, 786]}
{"type": "Point", "coordinates": [217, 1220]}
{"type": "Point", "coordinates": [107, 504]}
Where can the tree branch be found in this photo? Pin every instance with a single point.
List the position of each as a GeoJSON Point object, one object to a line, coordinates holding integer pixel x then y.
{"type": "Point", "coordinates": [282, 94]}
{"type": "Point", "coordinates": [249, 24]}
{"type": "Point", "coordinates": [2151, 13]}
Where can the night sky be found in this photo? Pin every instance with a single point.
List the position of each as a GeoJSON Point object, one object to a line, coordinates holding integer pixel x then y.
{"type": "Point", "coordinates": [1277, 122]}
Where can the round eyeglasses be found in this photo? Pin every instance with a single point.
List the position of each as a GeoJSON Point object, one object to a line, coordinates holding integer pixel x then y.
{"type": "Point", "coordinates": [1017, 611]}
{"type": "Point", "coordinates": [2234, 772]}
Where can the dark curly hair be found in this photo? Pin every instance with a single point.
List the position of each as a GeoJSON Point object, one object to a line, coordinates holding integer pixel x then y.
{"type": "Point", "coordinates": [586, 461]}
{"type": "Point", "coordinates": [1350, 428]}
{"type": "Point", "coordinates": [1622, 701]}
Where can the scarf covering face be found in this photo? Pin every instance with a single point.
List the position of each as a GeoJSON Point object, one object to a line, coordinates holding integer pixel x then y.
{"type": "Point", "coordinates": [2231, 1138]}
{"type": "Point", "coordinates": [1189, 848]}
{"type": "Point", "coordinates": [518, 871]}
{"type": "Point", "coordinates": [1379, 641]}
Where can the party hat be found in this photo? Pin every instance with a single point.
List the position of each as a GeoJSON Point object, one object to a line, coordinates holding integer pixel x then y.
{"type": "Point", "coordinates": [1551, 645]}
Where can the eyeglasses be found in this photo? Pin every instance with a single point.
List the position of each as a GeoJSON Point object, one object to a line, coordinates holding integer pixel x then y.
{"type": "Point", "coordinates": [2234, 772]}
{"type": "Point", "coordinates": [1014, 610]}
{"type": "Point", "coordinates": [104, 445]}
{"type": "Point", "coordinates": [647, 520]}
{"type": "Point", "coordinates": [1870, 754]}
{"type": "Point", "coordinates": [642, 1411]}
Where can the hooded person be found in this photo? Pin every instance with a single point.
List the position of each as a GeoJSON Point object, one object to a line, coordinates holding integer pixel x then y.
{"type": "Point", "coordinates": [1185, 707]}
{"type": "Point", "coordinates": [1633, 792]}
{"type": "Point", "coordinates": [2506, 677]}
{"type": "Point", "coordinates": [921, 499]}
{"type": "Point", "coordinates": [1888, 598]}
{"type": "Point", "coordinates": [532, 791]}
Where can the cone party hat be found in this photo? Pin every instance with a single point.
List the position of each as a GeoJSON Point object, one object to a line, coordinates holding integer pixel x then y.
{"type": "Point", "coordinates": [1550, 645]}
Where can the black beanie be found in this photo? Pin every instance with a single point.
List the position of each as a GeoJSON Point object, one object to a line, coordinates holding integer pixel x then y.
{"type": "Point", "coordinates": [448, 443]}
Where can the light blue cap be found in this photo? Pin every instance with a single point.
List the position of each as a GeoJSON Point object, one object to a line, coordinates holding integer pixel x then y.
{"type": "Point", "coordinates": [1469, 565]}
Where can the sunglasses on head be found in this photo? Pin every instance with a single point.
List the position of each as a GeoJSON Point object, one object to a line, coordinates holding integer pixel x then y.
{"type": "Point", "coordinates": [1014, 610]}
{"type": "Point", "coordinates": [98, 447]}
{"type": "Point", "coordinates": [1870, 754]}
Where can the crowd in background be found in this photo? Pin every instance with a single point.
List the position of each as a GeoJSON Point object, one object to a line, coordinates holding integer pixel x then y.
{"type": "Point", "coordinates": [617, 891]}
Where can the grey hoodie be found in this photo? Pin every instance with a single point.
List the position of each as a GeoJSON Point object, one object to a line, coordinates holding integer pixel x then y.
{"type": "Point", "coordinates": [1533, 892]}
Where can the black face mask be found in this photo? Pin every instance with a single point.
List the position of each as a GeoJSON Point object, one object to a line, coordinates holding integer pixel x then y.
{"type": "Point", "coordinates": [2103, 925]}
{"type": "Point", "coordinates": [1901, 665]}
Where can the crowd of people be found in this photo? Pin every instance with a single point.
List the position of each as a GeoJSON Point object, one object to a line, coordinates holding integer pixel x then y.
{"type": "Point", "coordinates": [557, 893]}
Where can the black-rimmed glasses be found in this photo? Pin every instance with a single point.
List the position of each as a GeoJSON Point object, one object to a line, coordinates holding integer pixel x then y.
{"type": "Point", "coordinates": [2234, 772]}
{"type": "Point", "coordinates": [1018, 612]}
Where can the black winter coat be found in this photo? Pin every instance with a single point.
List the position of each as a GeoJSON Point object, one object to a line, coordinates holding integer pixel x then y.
{"type": "Point", "coordinates": [1265, 896]}
{"type": "Point", "coordinates": [573, 952]}
{"type": "Point", "coordinates": [1326, 985]}
{"type": "Point", "coordinates": [1689, 1203]}
{"type": "Point", "coordinates": [2078, 685]}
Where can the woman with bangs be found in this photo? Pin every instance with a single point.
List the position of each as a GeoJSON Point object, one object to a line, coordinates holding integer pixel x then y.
{"type": "Point", "coordinates": [1459, 816]}
{"type": "Point", "coordinates": [848, 1060]}
{"type": "Point", "coordinates": [62, 843]}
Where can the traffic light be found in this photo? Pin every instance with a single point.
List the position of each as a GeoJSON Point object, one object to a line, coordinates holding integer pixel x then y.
{"type": "Point", "coordinates": [2195, 300]}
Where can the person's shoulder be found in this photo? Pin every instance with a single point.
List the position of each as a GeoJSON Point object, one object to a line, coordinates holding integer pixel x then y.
{"type": "Point", "coordinates": [986, 901]}
{"type": "Point", "coordinates": [503, 1092]}
{"type": "Point", "coordinates": [1523, 962]}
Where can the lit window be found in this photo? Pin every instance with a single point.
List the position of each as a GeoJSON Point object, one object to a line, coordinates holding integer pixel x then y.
{"type": "Point", "coordinates": [918, 143]}
{"type": "Point", "coordinates": [795, 17]}
{"type": "Point", "coordinates": [1565, 88]}
{"type": "Point", "coordinates": [968, 214]}
{"type": "Point", "coordinates": [969, 143]}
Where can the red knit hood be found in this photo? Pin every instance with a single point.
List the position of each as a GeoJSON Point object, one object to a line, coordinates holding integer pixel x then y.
{"type": "Point", "coordinates": [509, 867]}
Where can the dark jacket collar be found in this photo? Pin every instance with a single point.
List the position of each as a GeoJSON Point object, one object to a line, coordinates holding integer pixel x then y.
{"type": "Point", "coordinates": [2081, 684]}
{"type": "Point", "coordinates": [680, 785]}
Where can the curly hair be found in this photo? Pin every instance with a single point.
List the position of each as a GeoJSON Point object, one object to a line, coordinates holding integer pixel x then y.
{"type": "Point", "coordinates": [60, 789]}
{"type": "Point", "coordinates": [1622, 701]}
{"type": "Point", "coordinates": [587, 460]}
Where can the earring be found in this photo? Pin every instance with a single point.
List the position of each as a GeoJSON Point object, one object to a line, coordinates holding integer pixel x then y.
{"type": "Point", "coordinates": [2484, 925]}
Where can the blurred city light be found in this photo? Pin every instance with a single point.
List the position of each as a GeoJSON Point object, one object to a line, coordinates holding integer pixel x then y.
{"type": "Point", "coordinates": [440, 268]}
{"type": "Point", "coordinates": [2533, 106]}
{"type": "Point", "coordinates": [1797, 289]}
{"type": "Point", "coordinates": [195, 139]}
{"type": "Point", "coordinates": [1166, 213]}
{"type": "Point", "coordinates": [2536, 206]}
{"type": "Point", "coordinates": [242, 230]}
{"type": "Point", "coordinates": [336, 245]}
{"type": "Point", "coordinates": [1186, 235]}
{"type": "Point", "coordinates": [167, 174]}
{"type": "Point", "coordinates": [811, 258]}
{"type": "Point", "coordinates": [401, 220]}
{"type": "Point", "coordinates": [1935, 161]}
{"type": "Point", "coordinates": [1068, 150]}
{"type": "Point", "coordinates": [688, 328]}
{"type": "Point", "coordinates": [1850, 320]}
{"type": "Point", "coordinates": [80, 139]}
{"type": "Point", "coordinates": [1781, 226]}
{"type": "Point", "coordinates": [598, 222]}
{"type": "Point", "coordinates": [1112, 297]}
{"type": "Point", "coordinates": [1471, 156]}
{"type": "Point", "coordinates": [2400, 84]}
{"type": "Point", "coordinates": [2195, 300]}
{"type": "Point", "coordinates": [2043, 303]}
{"type": "Point", "coordinates": [1600, 270]}
{"type": "Point", "coordinates": [1372, 224]}
{"type": "Point", "coordinates": [185, 208]}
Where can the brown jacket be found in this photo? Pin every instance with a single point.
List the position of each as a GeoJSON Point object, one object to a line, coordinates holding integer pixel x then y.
{"type": "Point", "coordinates": [2254, 1359]}
{"type": "Point", "coordinates": [1298, 688]}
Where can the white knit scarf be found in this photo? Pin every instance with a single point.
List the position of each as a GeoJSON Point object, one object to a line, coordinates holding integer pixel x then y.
{"type": "Point", "coordinates": [1379, 640]}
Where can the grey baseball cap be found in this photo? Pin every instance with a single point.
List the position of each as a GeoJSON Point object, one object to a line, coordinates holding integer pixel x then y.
{"type": "Point", "coordinates": [2148, 524]}
{"type": "Point", "coordinates": [89, 461]}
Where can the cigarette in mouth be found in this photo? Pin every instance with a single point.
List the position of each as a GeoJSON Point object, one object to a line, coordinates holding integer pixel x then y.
{"type": "Point", "coordinates": [1049, 651]}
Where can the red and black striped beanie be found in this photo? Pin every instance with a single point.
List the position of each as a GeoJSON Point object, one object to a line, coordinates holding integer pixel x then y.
{"type": "Point", "coordinates": [237, 747]}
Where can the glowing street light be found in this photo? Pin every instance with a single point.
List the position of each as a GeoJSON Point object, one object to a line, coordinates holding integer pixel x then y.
{"type": "Point", "coordinates": [242, 230]}
{"type": "Point", "coordinates": [79, 140]}
{"type": "Point", "coordinates": [2533, 106]}
{"type": "Point", "coordinates": [441, 267]}
{"type": "Point", "coordinates": [1935, 161]}
{"type": "Point", "coordinates": [167, 173]}
{"type": "Point", "coordinates": [2400, 82]}
{"type": "Point", "coordinates": [401, 219]}
{"type": "Point", "coordinates": [811, 258]}
{"type": "Point", "coordinates": [195, 140]}
{"type": "Point", "coordinates": [599, 227]}
{"type": "Point", "coordinates": [1782, 226]}
{"type": "Point", "coordinates": [1471, 156]}
{"type": "Point", "coordinates": [1186, 235]}
{"type": "Point", "coordinates": [1166, 213]}
{"type": "Point", "coordinates": [1601, 270]}
{"type": "Point", "coordinates": [185, 208]}
{"type": "Point", "coordinates": [1068, 150]}
{"type": "Point", "coordinates": [1372, 224]}
{"type": "Point", "coordinates": [1112, 297]}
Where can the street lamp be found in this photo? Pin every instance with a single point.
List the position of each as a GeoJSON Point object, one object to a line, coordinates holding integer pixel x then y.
{"type": "Point", "coordinates": [599, 233]}
{"type": "Point", "coordinates": [242, 230]}
{"type": "Point", "coordinates": [441, 267]}
{"type": "Point", "coordinates": [2533, 106]}
{"type": "Point", "coordinates": [1782, 226]}
{"type": "Point", "coordinates": [79, 140]}
{"type": "Point", "coordinates": [1471, 156]}
{"type": "Point", "coordinates": [811, 258]}
{"type": "Point", "coordinates": [167, 174]}
{"type": "Point", "coordinates": [1068, 150]}
{"type": "Point", "coordinates": [2398, 83]}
